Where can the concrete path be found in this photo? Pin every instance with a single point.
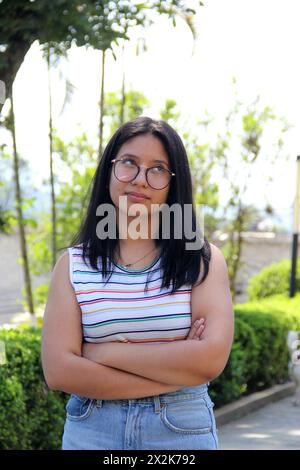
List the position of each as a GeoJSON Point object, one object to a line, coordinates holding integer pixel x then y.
{"type": "Point", "coordinates": [275, 426]}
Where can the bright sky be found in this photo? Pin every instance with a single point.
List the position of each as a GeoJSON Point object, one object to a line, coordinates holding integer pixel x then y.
{"type": "Point", "coordinates": [256, 41]}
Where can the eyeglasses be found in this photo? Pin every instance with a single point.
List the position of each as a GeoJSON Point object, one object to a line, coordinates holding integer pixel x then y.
{"type": "Point", "coordinates": [126, 170]}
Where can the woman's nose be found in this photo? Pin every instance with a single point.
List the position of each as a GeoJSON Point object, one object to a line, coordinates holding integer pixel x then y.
{"type": "Point", "coordinates": [141, 177]}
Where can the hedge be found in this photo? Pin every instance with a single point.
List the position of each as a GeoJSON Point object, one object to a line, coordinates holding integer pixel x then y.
{"type": "Point", "coordinates": [32, 416]}
{"type": "Point", "coordinates": [259, 356]}
{"type": "Point", "coordinates": [272, 280]}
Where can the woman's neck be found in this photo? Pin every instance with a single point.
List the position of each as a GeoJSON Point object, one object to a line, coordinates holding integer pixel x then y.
{"type": "Point", "coordinates": [138, 253]}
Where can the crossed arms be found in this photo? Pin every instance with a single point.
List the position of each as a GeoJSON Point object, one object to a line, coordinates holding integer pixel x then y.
{"type": "Point", "coordinates": [118, 370]}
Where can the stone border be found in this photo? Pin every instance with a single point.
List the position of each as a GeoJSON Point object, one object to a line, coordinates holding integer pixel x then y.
{"type": "Point", "coordinates": [252, 402]}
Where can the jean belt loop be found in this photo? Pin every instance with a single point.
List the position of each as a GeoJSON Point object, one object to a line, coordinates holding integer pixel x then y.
{"type": "Point", "coordinates": [157, 404]}
{"type": "Point", "coordinates": [99, 403]}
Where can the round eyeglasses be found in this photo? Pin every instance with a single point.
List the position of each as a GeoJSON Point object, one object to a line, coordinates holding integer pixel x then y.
{"type": "Point", "coordinates": [126, 170]}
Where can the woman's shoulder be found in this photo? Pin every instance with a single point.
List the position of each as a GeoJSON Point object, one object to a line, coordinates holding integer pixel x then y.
{"type": "Point", "coordinates": [60, 272]}
{"type": "Point", "coordinates": [216, 262]}
{"type": "Point", "coordinates": [63, 261]}
{"type": "Point", "coordinates": [216, 252]}
{"type": "Point", "coordinates": [64, 257]}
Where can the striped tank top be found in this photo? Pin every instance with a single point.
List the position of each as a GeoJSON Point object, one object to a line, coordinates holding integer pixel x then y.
{"type": "Point", "coordinates": [120, 310]}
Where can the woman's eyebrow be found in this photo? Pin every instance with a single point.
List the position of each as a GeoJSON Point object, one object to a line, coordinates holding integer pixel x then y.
{"type": "Point", "coordinates": [135, 156]}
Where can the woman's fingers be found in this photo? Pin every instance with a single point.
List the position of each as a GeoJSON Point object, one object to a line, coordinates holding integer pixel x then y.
{"type": "Point", "coordinates": [193, 330]}
{"type": "Point", "coordinates": [199, 331]}
{"type": "Point", "coordinates": [196, 329]}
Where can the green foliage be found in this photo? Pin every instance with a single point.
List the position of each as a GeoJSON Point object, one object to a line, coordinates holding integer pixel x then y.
{"type": "Point", "coordinates": [31, 416]}
{"type": "Point", "coordinates": [78, 160]}
{"type": "Point", "coordinates": [279, 305]}
{"type": "Point", "coordinates": [232, 383]}
{"type": "Point", "coordinates": [94, 23]}
{"type": "Point", "coordinates": [134, 106]}
{"type": "Point", "coordinates": [7, 216]}
{"type": "Point", "coordinates": [12, 414]}
{"type": "Point", "coordinates": [239, 148]}
{"type": "Point", "coordinates": [259, 356]}
{"type": "Point", "coordinates": [253, 127]}
{"type": "Point", "coordinates": [7, 220]}
{"type": "Point", "coordinates": [76, 166]}
{"type": "Point", "coordinates": [170, 113]}
{"type": "Point", "coordinates": [202, 162]}
{"type": "Point", "coordinates": [272, 280]}
{"type": "Point", "coordinates": [60, 24]}
{"type": "Point", "coordinates": [39, 251]}
{"type": "Point", "coordinates": [271, 331]}
{"type": "Point", "coordinates": [40, 294]}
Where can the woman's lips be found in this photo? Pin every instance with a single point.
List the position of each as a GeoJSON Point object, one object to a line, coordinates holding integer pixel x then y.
{"type": "Point", "coordinates": [137, 196]}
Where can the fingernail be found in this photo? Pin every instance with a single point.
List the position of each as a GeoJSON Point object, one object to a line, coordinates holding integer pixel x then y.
{"type": "Point", "coordinates": [197, 322]}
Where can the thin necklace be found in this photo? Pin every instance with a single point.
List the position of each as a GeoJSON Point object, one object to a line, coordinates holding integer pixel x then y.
{"type": "Point", "coordinates": [134, 262]}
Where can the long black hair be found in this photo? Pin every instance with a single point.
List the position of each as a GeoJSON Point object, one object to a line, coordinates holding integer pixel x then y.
{"type": "Point", "coordinates": [180, 266]}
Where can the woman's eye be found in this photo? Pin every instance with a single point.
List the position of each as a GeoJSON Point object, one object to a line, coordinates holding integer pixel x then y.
{"type": "Point", "coordinates": [158, 169]}
{"type": "Point", "coordinates": [128, 161]}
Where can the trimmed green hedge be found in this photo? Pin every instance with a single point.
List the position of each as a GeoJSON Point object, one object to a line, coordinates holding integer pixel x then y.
{"type": "Point", "coordinates": [32, 416]}
{"type": "Point", "coordinates": [272, 280]}
{"type": "Point", "coordinates": [259, 356]}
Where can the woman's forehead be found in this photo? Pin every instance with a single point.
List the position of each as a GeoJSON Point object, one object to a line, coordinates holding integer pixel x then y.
{"type": "Point", "coordinates": [144, 147]}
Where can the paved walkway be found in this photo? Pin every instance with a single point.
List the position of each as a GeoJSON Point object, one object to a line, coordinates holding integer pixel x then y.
{"type": "Point", "coordinates": [275, 426]}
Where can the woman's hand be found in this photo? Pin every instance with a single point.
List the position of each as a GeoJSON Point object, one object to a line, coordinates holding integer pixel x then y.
{"type": "Point", "coordinates": [197, 329]}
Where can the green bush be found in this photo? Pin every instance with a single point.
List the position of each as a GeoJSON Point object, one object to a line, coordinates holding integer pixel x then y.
{"type": "Point", "coordinates": [259, 356]}
{"type": "Point", "coordinates": [12, 414]}
{"type": "Point", "coordinates": [272, 280]}
{"type": "Point", "coordinates": [31, 416]}
{"type": "Point", "coordinates": [232, 383]}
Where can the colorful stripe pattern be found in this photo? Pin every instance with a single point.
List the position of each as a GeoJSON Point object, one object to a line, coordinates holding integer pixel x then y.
{"type": "Point", "coordinates": [120, 310]}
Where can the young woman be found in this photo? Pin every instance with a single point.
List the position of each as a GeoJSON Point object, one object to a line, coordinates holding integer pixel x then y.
{"type": "Point", "coordinates": [119, 330]}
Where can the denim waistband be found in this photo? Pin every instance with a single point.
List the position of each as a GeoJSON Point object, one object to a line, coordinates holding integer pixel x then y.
{"type": "Point", "coordinates": [184, 393]}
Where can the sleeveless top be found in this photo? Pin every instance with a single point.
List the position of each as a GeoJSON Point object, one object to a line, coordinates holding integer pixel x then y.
{"type": "Point", "coordinates": [120, 310]}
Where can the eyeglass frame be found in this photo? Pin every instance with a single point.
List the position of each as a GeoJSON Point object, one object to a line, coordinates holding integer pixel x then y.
{"type": "Point", "coordinates": [146, 173]}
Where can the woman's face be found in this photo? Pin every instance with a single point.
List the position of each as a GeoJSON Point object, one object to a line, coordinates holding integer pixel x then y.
{"type": "Point", "coordinates": [147, 151]}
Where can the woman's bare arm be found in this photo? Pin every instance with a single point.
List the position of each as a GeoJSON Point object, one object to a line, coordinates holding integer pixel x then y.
{"type": "Point", "coordinates": [92, 380]}
{"type": "Point", "coordinates": [64, 367]}
{"type": "Point", "coordinates": [185, 362]}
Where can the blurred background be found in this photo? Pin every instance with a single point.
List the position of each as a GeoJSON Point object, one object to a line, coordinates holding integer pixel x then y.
{"type": "Point", "coordinates": [225, 75]}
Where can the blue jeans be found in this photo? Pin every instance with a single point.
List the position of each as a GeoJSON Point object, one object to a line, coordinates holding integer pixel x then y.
{"type": "Point", "coordinates": [182, 419]}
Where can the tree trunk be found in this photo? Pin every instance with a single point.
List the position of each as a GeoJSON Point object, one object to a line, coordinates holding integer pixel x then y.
{"type": "Point", "coordinates": [122, 110]}
{"type": "Point", "coordinates": [236, 248]}
{"type": "Point", "coordinates": [12, 59]}
{"type": "Point", "coordinates": [20, 215]}
{"type": "Point", "coordinates": [101, 107]}
{"type": "Point", "coordinates": [53, 201]}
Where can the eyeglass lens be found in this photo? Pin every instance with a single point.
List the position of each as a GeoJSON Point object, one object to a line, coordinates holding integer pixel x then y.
{"type": "Point", "coordinates": [157, 177]}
